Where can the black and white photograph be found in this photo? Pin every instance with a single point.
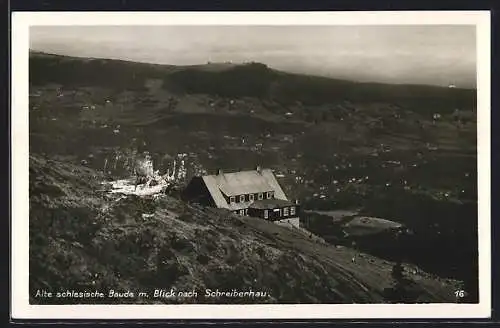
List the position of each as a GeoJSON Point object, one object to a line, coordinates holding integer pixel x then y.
{"type": "Point", "coordinates": [307, 162]}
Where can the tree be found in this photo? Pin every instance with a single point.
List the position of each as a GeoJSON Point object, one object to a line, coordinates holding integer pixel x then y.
{"type": "Point", "coordinates": [397, 272]}
{"type": "Point", "coordinates": [401, 290]}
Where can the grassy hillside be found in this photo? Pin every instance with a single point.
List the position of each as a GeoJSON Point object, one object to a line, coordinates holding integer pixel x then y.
{"type": "Point", "coordinates": [84, 239]}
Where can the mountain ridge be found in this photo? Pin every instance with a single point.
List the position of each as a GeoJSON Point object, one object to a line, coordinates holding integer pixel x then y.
{"type": "Point", "coordinates": [35, 53]}
{"type": "Point", "coordinates": [236, 64]}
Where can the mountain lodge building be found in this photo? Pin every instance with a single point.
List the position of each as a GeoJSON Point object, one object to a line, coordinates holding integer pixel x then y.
{"type": "Point", "coordinates": [254, 193]}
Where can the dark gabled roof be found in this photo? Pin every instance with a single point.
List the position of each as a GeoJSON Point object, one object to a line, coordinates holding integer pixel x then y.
{"type": "Point", "coordinates": [241, 183]}
{"type": "Point", "coordinates": [270, 204]}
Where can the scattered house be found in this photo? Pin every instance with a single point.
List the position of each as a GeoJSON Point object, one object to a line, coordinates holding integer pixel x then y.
{"type": "Point", "coordinates": [432, 147]}
{"type": "Point", "coordinates": [255, 193]}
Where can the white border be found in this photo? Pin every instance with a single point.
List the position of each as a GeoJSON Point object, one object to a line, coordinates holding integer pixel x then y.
{"type": "Point", "coordinates": [21, 21]}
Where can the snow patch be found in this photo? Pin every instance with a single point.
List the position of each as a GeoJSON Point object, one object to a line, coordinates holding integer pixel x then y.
{"type": "Point", "coordinates": [151, 182]}
{"type": "Point", "coordinates": [128, 187]}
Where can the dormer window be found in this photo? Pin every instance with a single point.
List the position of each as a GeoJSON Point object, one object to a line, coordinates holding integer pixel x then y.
{"type": "Point", "coordinates": [261, 196]}
{"type": "Point", "coordinates": [269, 195]}
{"type": "Point", "coordinates": [232, 199]}
{"type": "Point", "coordinates": [250, 197]}
{"type": "Point", "coordinates": [242, 198]}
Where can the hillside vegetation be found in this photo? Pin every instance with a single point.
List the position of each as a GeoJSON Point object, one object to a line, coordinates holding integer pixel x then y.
{"type": "Point", "coordinates": [84, 239]}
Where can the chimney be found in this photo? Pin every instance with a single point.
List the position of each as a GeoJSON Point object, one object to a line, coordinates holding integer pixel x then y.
{"type": "Point", "coordinates": [258, 169]}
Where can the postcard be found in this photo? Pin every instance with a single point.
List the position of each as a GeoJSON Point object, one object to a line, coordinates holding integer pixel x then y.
{"type": "Point", "coordinates": [251, 165]}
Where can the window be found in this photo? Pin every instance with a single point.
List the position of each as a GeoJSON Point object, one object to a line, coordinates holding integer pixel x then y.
{"type": "Point", "coordinates": [242, 212]}
{"type": "Point", "coordinates": [285, 211]}
{"type": "Point", "coordinates": [250, 197]}
{"type": "Point", "coordinates": [261, 196]}
{"type": "Point", "coordinates": [292, 210]}
{"type": "Point", "coordinates": [242, 198]}
{"type": "Point", "coordinates": [269, 195]}
{"type": "Point", "coordinates": [266, 214]}
{"type": "Point", "coordinates": [231, 199]}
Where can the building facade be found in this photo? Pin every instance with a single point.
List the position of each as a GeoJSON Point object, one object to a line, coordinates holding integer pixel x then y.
{"type": "Point", "coordinates": [254, 193]}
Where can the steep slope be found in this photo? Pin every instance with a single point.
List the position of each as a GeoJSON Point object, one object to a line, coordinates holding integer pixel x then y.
{"type": "Point", "coordinates": [84, 239]}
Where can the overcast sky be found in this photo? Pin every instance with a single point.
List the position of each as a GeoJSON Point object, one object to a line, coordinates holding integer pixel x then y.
{"type": "Point", "coordinates": [439, 54]}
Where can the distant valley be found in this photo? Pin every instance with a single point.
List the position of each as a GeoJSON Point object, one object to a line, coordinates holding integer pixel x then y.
{"type": "Point", "coordinates": [404, 153]}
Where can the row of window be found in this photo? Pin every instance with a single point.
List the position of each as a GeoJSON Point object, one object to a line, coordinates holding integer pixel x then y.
{"type": "Point", "coordinates": [242, 212]}
{"type": "Point", "coordinates": [286, 212]}
{"type": "Point", "coordinates": [251, 197]}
